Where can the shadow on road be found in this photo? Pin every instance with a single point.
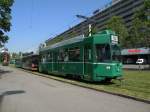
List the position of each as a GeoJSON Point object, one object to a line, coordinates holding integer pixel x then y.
{"type": "Point", "coordinates": [6, 93]}
{"type": "Point", "coordinates": [2, 72]}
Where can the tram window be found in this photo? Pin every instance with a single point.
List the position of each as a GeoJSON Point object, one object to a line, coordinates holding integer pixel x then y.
{"type": "Point", "coordinates": [74, 54]}
{"type": "Point", "coordinates": [66, 57]}
{"type": "Point", "coordinates": [61, 55]}
{"type": "Point", "coordinates": [43, 59]}
{"type": "Point", "coordinates": [88, 53]}
{"type": "Point", "coordinates": [46, 57]}
{"type": "Point", "coordinates": [55, 56]}
{"type": "Point", "coordinates": [49, 57]}
{"type": "Point", "coordinates": [103, 52]}
{"type": "Point", "coordinates": [35, 60]}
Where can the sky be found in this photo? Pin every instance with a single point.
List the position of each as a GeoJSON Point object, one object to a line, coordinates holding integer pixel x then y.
{"type": "Point", "coordinates": [34, 21]}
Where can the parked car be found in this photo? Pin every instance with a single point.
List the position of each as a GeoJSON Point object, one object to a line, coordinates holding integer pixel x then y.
{"type": "Point", "coordinates": [140, 61]}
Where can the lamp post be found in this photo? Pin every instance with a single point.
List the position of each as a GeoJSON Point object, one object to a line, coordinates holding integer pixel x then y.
{"type": "Point", "coordinates": [91, 21]}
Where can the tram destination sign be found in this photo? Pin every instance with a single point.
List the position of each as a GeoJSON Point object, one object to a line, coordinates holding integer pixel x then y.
{"type": "Point", "coordinates": [114, 39]}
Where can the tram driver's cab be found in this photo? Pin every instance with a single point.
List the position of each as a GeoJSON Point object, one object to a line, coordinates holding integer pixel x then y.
{"type": "Point", "coordinates": [107, 62]}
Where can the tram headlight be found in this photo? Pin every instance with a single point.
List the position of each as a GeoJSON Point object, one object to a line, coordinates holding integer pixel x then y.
{"type": "Point", "coordinates": [108, 67]}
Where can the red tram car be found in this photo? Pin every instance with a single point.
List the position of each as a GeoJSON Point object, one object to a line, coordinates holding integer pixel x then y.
{"type": "Point", "coordinates": [5, 57]}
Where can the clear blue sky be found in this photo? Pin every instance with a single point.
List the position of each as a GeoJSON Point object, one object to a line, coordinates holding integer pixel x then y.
{"type": "Point", "coordinates": [34, 21]}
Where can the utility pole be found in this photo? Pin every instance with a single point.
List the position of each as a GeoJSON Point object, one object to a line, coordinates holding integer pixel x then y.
{"type": "Point", "coordinates": [91, 21]}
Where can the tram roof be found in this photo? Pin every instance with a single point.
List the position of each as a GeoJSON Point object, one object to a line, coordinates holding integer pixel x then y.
{"type": "Point", "coordinates": [65, 42]}
{"type": "Point", "coordinates": [31, 55]}
{"type": "Point", "coordinates": [75, 40]}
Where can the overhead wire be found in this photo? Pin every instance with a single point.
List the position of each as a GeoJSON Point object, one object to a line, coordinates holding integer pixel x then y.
{"type": "Point", "coordinates": [31, 14]}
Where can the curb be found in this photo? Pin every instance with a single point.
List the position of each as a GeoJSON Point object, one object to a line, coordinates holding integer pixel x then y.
{"type": "Point", "coordinates": [84, 86]}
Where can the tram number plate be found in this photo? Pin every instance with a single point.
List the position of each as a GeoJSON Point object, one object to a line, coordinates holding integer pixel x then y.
{"type": "Point", "coordinates": [114, 39]}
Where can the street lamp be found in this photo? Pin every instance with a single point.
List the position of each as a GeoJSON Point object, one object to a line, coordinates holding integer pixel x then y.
{"type": "Point", "coordinates": [91, 21]}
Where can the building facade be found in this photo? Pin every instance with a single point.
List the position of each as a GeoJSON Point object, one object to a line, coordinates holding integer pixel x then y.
{"type": "Point", "coordinates": [122, 8]}
{"type": "Point", "coordinates": [130, 56]}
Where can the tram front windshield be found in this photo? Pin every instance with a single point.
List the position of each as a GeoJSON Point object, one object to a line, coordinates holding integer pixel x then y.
{"type": "Point", "coordinates": [103, 53]}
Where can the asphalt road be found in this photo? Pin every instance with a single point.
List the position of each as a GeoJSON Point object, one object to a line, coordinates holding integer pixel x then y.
{"type": "Point", "coordinates": [24, 92]}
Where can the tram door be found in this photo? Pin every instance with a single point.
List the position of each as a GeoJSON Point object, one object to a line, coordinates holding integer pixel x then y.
{"type": "Point", "coordinates": [87, 62]}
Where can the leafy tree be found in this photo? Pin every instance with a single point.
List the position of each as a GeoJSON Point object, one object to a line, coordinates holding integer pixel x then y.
{"type": "Point", "coordinates": [5, 11]}
{"type": "Point", "coordinates": [135, 37]}
{"type": "Point", "coordinates": [94, 29]}
{"type": "Point", "coordinates": [141, 25]}
{"type": "Point", "coordinates": [14, 55]}
{"type": "Point", "coordinates": [116, 24]}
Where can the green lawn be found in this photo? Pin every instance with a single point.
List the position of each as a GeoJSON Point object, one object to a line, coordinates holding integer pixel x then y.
{"type": "Point", "coordinates": [136, 83]}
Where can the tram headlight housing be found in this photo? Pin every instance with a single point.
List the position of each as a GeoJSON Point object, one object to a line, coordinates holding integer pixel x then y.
{"type": "Point", "coordinates": [108, 67]}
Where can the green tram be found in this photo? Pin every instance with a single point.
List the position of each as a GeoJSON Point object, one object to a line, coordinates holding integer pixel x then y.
{"type": "Point", "coordinates": [93, 58]}
{"type": "Point", "coordinates": [18, 63]}
{"type": "Point", "coordinates": [30, 62]}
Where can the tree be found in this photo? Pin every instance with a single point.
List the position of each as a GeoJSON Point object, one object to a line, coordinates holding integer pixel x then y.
{"type": "Point", "coordinates": [141, 25]}
{"type": "Point", "coordinates": [94, 28]}
{"type": "Point", "coordinates": [116, 24]}
{"type": "Point", "coordinates": [5, 16]}
{"type": "Point", "coordinates": [135, 36]}
{"type": "Point", "coordinates": [14, 55]}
